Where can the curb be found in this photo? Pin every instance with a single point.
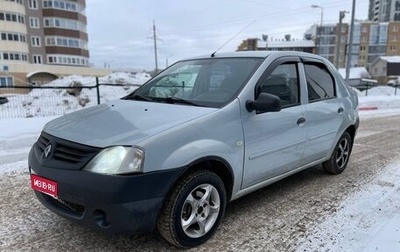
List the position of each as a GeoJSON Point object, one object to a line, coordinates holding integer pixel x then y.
{"type": "Point", "coordinates": [368, 108]}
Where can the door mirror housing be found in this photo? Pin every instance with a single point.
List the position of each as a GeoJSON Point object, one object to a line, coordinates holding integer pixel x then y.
{"type": "Point", "coordinates": [265, 102]}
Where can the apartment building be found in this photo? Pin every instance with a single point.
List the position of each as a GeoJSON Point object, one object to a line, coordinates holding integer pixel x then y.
{"type": "Point", "coordinates": [250, 44]}
{"type": "Point", "coordinates": [370, 41]}
{"type": "Point", "coordinates": [44, 32]}
{"type": "Point", "coordinates": [384, 10]}
{"type": "Point", "coordinates": [41, 40]}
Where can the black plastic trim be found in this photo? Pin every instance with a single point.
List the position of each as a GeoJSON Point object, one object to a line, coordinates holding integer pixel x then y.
{"type": "Point", "coordinates": [63, 154]}
{"type": "Point", "coordinates": [129, 203]}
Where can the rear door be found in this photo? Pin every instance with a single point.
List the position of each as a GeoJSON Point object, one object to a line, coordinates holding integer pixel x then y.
{"type": "Point", "coordinates": [324, 111]}
{"type": "Point", "coordinates": [274, 141]}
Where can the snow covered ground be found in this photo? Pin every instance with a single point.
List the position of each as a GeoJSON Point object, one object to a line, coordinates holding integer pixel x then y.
{"type": "Point", "coordinates": [369, 220]}
{"type": "Point", "coordinates": [52, 102]}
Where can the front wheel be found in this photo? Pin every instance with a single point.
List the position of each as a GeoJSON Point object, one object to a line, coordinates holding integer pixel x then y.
{"type": "Point", "coordinates": [194, 210]}
{"type": "Point", "coordinates": [340, 156]}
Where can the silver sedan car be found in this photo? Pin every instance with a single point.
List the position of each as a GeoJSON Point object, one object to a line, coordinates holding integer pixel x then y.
{"type": "Point", "coordinates": [205, 131]}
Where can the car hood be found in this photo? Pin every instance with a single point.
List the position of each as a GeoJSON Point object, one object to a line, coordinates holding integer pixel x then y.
{"type": "Point", "coordinates": [121, 122]}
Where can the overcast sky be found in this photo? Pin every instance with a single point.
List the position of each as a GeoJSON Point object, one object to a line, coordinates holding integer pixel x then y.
{"type": "Point", "coordinates": [120, 32]}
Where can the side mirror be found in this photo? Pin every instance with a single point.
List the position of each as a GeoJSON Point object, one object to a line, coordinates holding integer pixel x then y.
{"type": "Point", "coordinates": [265, 102]}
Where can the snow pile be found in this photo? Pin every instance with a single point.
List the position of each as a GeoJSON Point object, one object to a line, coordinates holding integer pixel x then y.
{"type": "Point", "coordinates": [382, 97]}
{"type": "Point", "coordinates": [380, 91]}
{"type": "Point", "coordinates": [53, 102]}
{"type": "Point", "coordinates": [355, 73]}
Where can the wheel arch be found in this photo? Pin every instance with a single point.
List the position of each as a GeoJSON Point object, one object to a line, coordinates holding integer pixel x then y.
{"type": "Point", "coordinates": [217, 165]}
{"type": "Point", "coordinates": [214, 164]}
{"type": "Point", "coordinates": [352, 131]}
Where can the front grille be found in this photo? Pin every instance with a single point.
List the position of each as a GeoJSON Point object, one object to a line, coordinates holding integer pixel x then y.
{"type": "Point", "coordinates": [65, 206]}
{"type": "Point", "coordinates": [67, 154]}
{"type": "Point", "coordinates": [43, 142]}
{"type": "Point", "coordinates": [63, 154]}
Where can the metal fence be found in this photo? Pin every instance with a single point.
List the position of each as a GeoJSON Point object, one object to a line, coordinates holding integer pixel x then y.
{"type": "Point", "coordinates": [367, 86]}
{"type": "Point", "coordinates": [40, 101]}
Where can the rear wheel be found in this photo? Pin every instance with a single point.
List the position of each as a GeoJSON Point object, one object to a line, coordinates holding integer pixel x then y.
{"type": "Point", "coordinates": [194, 210]}
{"type": "Point", "coordinates": [340, 156]}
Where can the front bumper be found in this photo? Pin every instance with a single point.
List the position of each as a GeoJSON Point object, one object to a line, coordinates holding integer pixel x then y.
{"type": "Point", "coordinates": [111, 204]}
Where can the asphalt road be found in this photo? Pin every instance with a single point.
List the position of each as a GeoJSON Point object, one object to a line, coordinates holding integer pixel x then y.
{"type": "Point", "coordinates": [276, 218]}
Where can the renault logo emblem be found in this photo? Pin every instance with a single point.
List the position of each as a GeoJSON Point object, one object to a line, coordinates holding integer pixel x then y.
{"type": "Point", "coordinates": [47, 151]}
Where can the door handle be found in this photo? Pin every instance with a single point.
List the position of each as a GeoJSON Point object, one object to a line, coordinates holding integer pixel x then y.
{"type": "Point", "coordinates": [340, 110]}
{"type": "Point", "coordinates": [301, 121]}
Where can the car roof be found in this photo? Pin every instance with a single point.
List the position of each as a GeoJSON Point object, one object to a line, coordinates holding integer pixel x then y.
{"type": "Point", "coordinates": [254, 54]}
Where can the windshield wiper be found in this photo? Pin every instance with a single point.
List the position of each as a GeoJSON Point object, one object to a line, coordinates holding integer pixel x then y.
{"type": "Point", "coordinates": [180, 100]}
{"type": "Point", "coordinates": [139, 97]}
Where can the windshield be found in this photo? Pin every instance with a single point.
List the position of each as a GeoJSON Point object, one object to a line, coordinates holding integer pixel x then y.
{"type": "Point", "coordinates": [207, 82]}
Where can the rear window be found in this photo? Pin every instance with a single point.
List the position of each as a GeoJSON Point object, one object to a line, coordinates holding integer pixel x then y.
{"type": "Point", "coordinates": [320, 82]}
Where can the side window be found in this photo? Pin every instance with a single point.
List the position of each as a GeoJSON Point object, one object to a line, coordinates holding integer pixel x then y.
{"type": "Point", "coordinates": [284, 83]}
{"type": "Point", "coordinates": [320, 83]}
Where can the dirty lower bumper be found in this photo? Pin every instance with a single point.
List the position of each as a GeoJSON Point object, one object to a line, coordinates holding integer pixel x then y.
{"type": "Point", "coordinates": [110, 204]}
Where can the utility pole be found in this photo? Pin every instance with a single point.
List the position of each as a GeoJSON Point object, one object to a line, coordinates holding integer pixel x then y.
{"type": "Point", "coordinates": [155, 45]}
{"type": "Point", "coordinates": [339, 40]}
{"type": "Point", "coordinates": [348, 65]}
{"type": "Point", "coordinates": [319, 33]}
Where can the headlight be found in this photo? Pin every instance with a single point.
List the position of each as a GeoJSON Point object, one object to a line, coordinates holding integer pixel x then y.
{"type": "Point", "coordinates": [117, 160]}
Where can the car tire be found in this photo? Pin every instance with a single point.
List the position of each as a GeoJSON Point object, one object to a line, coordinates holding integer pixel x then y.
{"type": "Point", "coordinates": [194, 210]}
{"type": "Point", "coordinates": [340, 156]}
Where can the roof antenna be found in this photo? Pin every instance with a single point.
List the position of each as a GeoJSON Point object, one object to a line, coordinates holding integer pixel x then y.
{"type": "Point", "coordinates": [229, 40]}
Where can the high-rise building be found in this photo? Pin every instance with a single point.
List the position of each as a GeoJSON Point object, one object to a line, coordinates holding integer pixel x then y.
{"type": "Point", "coordinates": [370, 41]}
{"type": "Point", "coordinates": [384, 10]}
{"type": "Point", "coordinates": [49, 32]}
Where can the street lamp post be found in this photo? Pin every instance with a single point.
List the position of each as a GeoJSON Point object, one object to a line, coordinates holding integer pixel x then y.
{"type": "Point", "coordinates": [348, 65]}
{"type": "Point", "coordinates": [320, 27]}
{"type": "Point", "coordinates": [339, 38]}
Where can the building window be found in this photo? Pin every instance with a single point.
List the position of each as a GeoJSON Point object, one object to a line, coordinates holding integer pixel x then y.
{"type": "Point", "coordinates": [12, 17]}
{"type": "Point", "coordinates": [364, 29]}
{"type": "Point", "coordinates": [33, 4]}
{"type": "Point", "coordinates": [37, 59]}
{"type": "Point", "coordinates": [16, 1]}
{"type": "Point", "coordinates": [67, 60]}
{"type": "Point", "coordinates": [395, 28]}
{"type": "Point", "coordinates": [62, 5]}
{"type": "Point", "coordinates": [13, 36]}
{"type": "Point", "coordinates": [66, 42]}
{"type": "Point", "coordinates": [69, 24]}
{"type": "Point", "coordinates": [14, 56]}
{"type": "Point", "coordinates": [6, 81]}
{"type": "Point", "coordinates": [35, 40]}
{"type": "Point", "coordinates": [34, 22]}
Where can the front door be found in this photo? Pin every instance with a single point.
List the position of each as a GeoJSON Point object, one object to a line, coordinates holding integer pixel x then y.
{"type": "Point", "coordinates": [275, 140]}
